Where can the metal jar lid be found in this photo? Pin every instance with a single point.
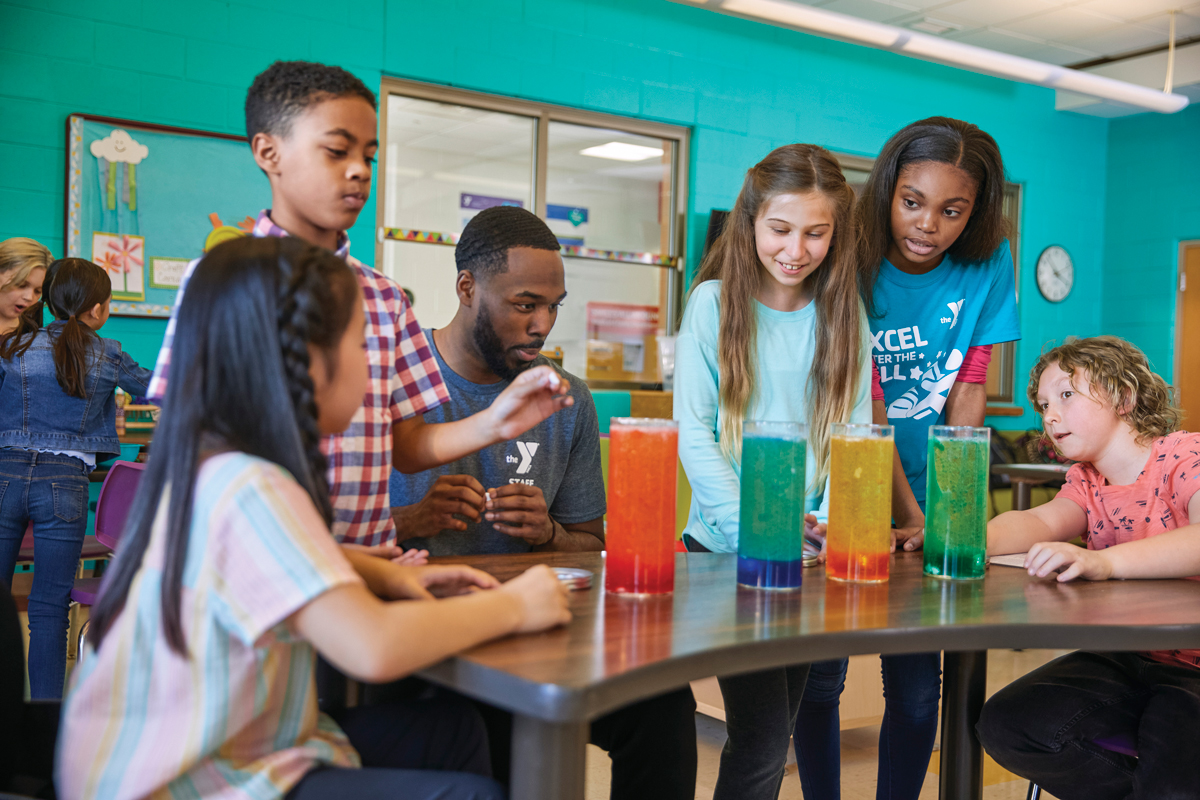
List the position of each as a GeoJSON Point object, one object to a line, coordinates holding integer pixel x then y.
{"type": "Point", "coordinates": [574, 578]}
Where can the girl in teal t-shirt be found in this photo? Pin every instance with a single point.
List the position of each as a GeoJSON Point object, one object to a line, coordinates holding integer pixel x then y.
{"type": "Point", "coordinates": [774, 330]}
{"type": "Point", "coordinates": [937, 278]}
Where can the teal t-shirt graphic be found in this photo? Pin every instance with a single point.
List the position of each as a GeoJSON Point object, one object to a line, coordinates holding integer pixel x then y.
{"type": "Point", "coordinates": [923, 326]}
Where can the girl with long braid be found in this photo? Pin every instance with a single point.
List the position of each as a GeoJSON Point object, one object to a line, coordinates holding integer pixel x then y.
{"type": "Point", "coordinates": [57, 416]}
{"type": "Point", "coordinates": [198, 679]}
{"type": "Point", "coordinates": [774, 330]}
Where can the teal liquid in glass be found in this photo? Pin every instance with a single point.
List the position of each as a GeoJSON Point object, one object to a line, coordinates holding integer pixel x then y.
{"type": "Point", "coordinates": [956, 508]}
{"type": "Point", "coordinates": [771, 517]}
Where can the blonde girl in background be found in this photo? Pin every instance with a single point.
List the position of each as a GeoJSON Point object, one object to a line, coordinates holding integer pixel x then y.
{"type": "Point", "coordinates": [774, 330]}
{"type": "Point", "coordinates": [23, 264]}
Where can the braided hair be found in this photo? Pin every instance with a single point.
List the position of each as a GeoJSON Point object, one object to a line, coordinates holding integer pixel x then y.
{"type": "Point", "coordinates": [239, 380]}
{"type": "Point", "coordinates": [483, 247]}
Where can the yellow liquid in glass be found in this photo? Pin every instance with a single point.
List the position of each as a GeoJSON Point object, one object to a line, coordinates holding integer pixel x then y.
{"type": "Point", "coordinates": [860, 509]}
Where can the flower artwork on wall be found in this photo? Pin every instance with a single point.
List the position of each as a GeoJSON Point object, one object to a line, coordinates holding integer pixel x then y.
{"type": "Point", "coordinates": [123, 257]}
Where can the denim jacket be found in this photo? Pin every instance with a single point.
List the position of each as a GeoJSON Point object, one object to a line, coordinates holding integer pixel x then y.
{"type": "Point", "coordinates": [35, 412]}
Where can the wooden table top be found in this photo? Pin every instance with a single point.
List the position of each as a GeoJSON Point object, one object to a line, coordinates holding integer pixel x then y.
{"type": "Point", "coordinates": [620, 649]}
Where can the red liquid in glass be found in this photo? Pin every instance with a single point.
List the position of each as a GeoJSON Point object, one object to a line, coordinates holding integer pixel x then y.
{"type": "Point", "coordinates": [640, 538]}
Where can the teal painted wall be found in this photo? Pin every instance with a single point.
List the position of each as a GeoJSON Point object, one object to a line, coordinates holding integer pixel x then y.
{"type": "Point", "coordinates": [743, 87]}
{"type": "Point", "coordinates": [1153, 204]}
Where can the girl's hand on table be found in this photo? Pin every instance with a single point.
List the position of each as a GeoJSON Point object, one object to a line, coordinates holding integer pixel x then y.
{"type": "Point", "coordinates": [541, 597]}
{"type": "Point", "coordinates": [815, 532]}
{"type": "Point", "coordinates": [1069, 560]}
{"type": "Point", "coordinates": [908, 538]}
{"type": "Point", "coordinates": [442, 580]}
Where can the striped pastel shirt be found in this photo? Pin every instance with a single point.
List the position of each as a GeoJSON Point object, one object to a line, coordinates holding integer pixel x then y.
{"type": "Point", "coordinates": [237, 718]}
{"type": "Point", "coordinates": [404, 382]}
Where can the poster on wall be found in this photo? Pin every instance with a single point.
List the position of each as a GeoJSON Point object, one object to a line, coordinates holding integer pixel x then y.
{"type": "Point", "coordinates": [143, 200]}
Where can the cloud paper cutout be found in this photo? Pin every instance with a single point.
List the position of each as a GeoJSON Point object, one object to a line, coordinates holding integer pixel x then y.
{"type": "Point", "coordinates": [119, 146]}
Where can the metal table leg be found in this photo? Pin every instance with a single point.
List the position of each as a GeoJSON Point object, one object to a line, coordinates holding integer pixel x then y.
{"type": "Point", "coordinates": [964, 686]}
{"type": "Point", "coordinates": [1022, 496]}
{"type": "Point", "coordinates": [548, 759]}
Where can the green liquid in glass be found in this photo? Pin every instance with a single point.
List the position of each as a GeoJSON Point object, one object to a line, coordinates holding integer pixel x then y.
{"type": "Point", "coordinates": [956, 508]}
{"type": "Point", "coordinates": [771, 517]}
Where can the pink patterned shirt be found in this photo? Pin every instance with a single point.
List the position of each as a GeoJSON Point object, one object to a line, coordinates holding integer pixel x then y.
{"type": "Point", "coordinates": [1155, 503]}
{"type": "Point", "coordinates": [404, 382]}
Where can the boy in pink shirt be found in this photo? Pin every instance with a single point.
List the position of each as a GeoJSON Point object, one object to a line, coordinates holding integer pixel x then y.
{"type": "Point", "coordinates": [1133, 497]}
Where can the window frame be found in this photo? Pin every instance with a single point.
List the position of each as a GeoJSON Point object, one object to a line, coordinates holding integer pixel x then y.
{"type": "Point", "coordinates": [544, 114]}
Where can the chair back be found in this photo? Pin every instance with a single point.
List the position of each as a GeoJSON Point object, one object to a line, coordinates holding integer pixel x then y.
{"type": "Point", "coordinates": [116, 498]}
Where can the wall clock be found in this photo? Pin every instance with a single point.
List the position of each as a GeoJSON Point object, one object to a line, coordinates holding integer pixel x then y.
{"type": "Point", "coordinates": [1055, 273]}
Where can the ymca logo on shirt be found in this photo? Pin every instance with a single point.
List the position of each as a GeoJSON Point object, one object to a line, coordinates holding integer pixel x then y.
{"type": "Point", "coordinates": [525, 462]}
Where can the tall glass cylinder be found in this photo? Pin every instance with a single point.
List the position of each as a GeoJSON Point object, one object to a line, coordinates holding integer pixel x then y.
{"type": "Point", "coordinates": [771, 517]}
{"type": "Point", "coordinates": [640, 534]}
{"type": "Point", "coordinates": [956, 491]}
{"type": "Point", "coordinates": [859, 538]}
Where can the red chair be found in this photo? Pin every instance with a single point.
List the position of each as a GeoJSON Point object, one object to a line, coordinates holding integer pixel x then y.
{"type": "Point", "coordinates": [112, 508]}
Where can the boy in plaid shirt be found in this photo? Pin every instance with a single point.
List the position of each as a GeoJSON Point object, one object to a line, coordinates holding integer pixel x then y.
{"type": "Point", "coordinates": [312, 130]}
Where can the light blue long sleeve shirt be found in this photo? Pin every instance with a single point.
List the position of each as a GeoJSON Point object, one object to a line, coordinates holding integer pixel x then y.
{"type": "Point", "coordinates": [785, 344]}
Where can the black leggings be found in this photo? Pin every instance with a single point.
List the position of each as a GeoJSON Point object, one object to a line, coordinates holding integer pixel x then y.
{"type": "Point", "coordinates": [429, 748]}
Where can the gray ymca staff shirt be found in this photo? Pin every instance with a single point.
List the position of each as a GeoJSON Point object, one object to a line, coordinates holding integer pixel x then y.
{"type": "Point", "coordinates": [561, 456]}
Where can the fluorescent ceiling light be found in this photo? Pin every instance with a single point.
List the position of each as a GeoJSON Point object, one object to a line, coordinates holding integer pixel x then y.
{"type": "Point", "coordinates": [833, 25]}
{"type": "Point", "coordinates": [620, 151]}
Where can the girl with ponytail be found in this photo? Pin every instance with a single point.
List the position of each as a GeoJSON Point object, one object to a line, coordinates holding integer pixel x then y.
{"type": "Point", "coordinates": [57, 416]}
{"type": "Point", "coordinates": [198, 677]}
{"type": "Point", "coordinates": [774, 330]}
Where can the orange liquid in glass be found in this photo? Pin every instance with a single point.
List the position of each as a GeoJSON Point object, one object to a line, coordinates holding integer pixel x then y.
{"type": "Point", "coordinates": [860, 509]}
{"type": "Point", "coordinates": [640, 538]}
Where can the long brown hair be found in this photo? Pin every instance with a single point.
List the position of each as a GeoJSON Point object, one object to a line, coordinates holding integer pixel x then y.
{"type": "Point", "coordinates": [733, 260]}
{"type": "Point", "coordinates": [73, 286]}
{"type": "Point", "coordinates": [947, 141]}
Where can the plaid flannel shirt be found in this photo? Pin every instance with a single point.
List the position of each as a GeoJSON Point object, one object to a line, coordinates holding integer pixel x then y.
{"type": "Point", "coordinates": [404, 381]}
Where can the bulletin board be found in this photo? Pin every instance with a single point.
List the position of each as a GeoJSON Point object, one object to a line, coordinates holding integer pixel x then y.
{"type": "Point", "coordinates": [143, 200]}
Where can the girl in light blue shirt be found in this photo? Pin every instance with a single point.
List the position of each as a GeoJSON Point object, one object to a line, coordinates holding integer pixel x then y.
{"type": "Point", "coordinates": [774, 330]}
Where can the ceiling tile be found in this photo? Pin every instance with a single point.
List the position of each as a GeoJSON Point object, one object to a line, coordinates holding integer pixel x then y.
{"type": "Point", "coordinates": [1062, 23]}
{"type": "Point", "coordinates": [1120, 39]}
{"type": "Point", "coordinates": [869, 9]}
{"type": "Point", "coordinates": [980, 13]}
{"type": "Point", "coordinates": [1054, 54]}
{"type": "Point", "coordinates": [1130, 9]}
{"type": "Point", "coordinates": [1186, 24]}
{"type": "Point", "coordinates": [998, 41]}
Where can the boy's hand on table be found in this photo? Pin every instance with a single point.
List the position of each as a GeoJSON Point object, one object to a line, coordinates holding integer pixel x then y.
{"type": "Point", "coordinates": [449, 495]}
{"type": "Point", "coordinates": [1069, 560]}
{"type": "Point", "coordinates": [531, 398]}
{"type": "Point", "coordinates": [519, 510]}
{"type": "Point", "coordinates": [412, 558]}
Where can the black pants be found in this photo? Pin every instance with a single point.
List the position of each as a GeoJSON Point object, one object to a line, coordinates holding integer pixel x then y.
{"type": "Point", "coordinates": [760, 714]}
{"type": "Point", "coordinates": [1044, 727]}
{"type": "Point", "coordinates": [433, 747]}
{"type": "Point", "coordinates": [652, 745]}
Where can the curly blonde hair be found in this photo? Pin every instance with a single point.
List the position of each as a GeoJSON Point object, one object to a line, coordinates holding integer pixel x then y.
{"type": "Point", "coordinates": [1118, 373]}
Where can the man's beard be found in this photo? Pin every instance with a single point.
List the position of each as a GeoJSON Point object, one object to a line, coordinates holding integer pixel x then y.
{"type": "Point", "coordinates": [492, 349]}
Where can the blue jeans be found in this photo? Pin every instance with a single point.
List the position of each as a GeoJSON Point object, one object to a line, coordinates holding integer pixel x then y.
{"type": "Point", "coordinates": [911, 689]}
{"type": "Point", "coordinates": [52, 491]}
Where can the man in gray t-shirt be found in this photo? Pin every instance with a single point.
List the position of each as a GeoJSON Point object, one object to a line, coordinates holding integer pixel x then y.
{"type": "Point", "coordinates": [545, 489]}
{"type": "Point", "coordinates": [542, 491]}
